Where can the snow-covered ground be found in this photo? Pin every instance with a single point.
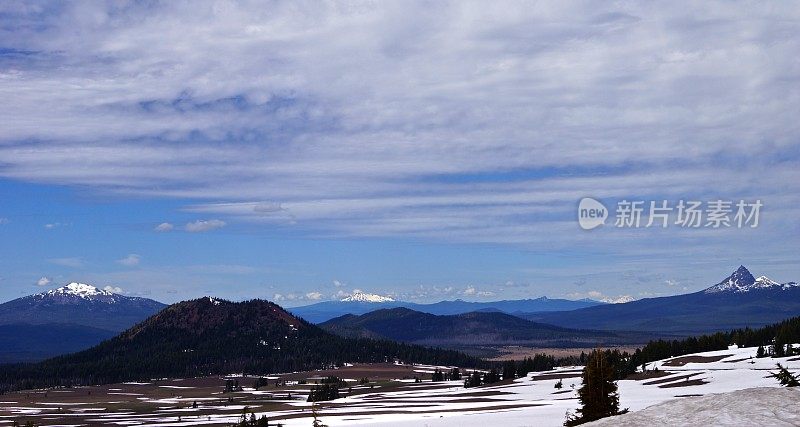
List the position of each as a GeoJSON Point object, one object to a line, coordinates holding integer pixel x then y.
{"type": "Point", "coordinates": [728, 387]}
{"type": "Point", "coordinates": [763, 406]}
{"type": "Point", "coordinates": [690, 389]}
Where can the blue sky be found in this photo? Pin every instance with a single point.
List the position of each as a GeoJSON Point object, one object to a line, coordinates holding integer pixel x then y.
{"type": "Point", "coordinates": [299, 151]}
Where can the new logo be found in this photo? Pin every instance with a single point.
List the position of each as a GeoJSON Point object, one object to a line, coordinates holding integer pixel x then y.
{"type": "Point", "coordinates": [591, 213]}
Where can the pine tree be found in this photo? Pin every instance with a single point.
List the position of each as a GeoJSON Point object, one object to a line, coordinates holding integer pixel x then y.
{"type": "Point", "coordinates": [786, 378]}
{"type": "Point", "coordinates": [598, 393]}
{"type": "Point", "coordinates": [509, 370]}
{"type": "Point", "coordinates": [473, 380]}
{"type": "Point", "coordinates": [760, 352]}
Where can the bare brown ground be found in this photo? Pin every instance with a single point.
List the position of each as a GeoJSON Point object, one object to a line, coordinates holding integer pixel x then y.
{"type": "Point", "coordinates": [737, 360]}
{"type": "Point", "coordinates": [62, 406]}
{"type": "Point", "coordinates": [680, 361]}
{"type": "Point", "coordinates": [642, 376]}
{"type": "Point", "coordinates": [558, 376]}
{"type": "Point", "coordinates": [672, 379]}
{"type": "Point", "coordinates": [684, 383]}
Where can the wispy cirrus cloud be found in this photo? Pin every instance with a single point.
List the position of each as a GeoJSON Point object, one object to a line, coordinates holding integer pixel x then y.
{"type": "Point", "coordinates": [130, 260]}
{"type": "Point", "coordinates": [200, 226]}
{"type": "Point", "coordinates": [72, 262]}
{"type": "Point", "coordinates": [472, 122]}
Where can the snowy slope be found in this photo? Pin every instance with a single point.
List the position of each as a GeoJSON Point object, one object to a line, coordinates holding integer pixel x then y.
{"type": "Point", "coordinates": [533, 401]}
{"type": "Point", "coordinates": [365, 297]}
{"type": "Point", "coordinates": [764, 406]}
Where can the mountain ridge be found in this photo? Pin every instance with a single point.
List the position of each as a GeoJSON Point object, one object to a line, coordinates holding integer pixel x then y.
{"type": "Point", "coordinates": [463, 330]}
{"type": "Point", "coordinates": [738, 301]}
{"type": "Point", "coordinates": [86, 313]}
{"type": "Point", "coordinates": [326, 310]}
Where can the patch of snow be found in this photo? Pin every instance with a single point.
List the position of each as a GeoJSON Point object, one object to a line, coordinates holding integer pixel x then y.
{"type": "Point", "coordinates": [79, 289]}
{"type": "Point", "coordinates": [365, 297]}
{"type": "Point", "coordinates": [619, 300]}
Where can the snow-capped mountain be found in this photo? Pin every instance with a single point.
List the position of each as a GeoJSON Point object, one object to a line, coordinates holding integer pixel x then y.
{"type": "Point", "coordinates": [622, 299]}
{"type": "Point", "coordinates": [742, 281]}
{"type": "Point", "coordinates": [75, 292]}
{"type": "Point", "coordinates": [87, 313]}
{"type": "Point", "coordinates": [365, 297]}
{"type": "Point", "coordinates": [738, 301]}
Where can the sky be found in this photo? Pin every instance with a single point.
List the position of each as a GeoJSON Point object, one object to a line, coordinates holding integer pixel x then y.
{"type": "Point", "coordinates": [301, 151]}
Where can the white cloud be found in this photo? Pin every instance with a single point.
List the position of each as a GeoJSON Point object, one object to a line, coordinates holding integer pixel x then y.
{"type": "Point", "coordinates": [480, 122]}
{"type": "Point", "coordinates": [130, 260]}
{"type": "Point", "coordinates": [72, 262]}
{"type": "Point", "coordinates": [473, 291]}
{"type": "Point", "coordinates": [164, 227]}
{"type": "Point", "coordinates": [313, 296]}
{"type": "Point", "coordinates": [204, 225]}
{"type": "Point", "coordinates": [43, 281]}
{"type": "Point", "coordinates": [338, 284]}
{"type": "Point", "coordinates": [113, 289]}
{"type": "Point", "coordinates": [53, 225]}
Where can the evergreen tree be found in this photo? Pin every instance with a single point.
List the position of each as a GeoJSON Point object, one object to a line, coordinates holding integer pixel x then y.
{"type": "Point", "coordinates": [473, 380]}
{"type": "Point", "coordinates": [598, 393]}
{"type": "Point", "coordinates": [760, 352]}
{"type": "Point", "coordinates": [491, 377]}
{"type": "Point", "coordinates": [509, 370]}
{"type": "Point", "coordinates": [786, 378]}
{"type": "Point", "coordinates": [324, 391]}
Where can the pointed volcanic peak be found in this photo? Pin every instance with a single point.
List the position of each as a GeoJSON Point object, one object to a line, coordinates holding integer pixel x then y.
{"type": "Point", "coordinates": [366, 297]}
{"type": "Point", "coordinates": [742, 281]}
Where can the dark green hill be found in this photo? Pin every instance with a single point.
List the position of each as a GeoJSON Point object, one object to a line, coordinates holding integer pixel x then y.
{"type": "Point", "coordinates": [476, 328]}
{"type": "Point", "coordinates": [209, 337]}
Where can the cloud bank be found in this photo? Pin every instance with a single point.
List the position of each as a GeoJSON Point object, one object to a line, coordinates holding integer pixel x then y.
{"type": "Point", "coordinates": [449, 122]}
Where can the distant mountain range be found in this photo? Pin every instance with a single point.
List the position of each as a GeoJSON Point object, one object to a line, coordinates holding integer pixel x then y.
{"type": "Point", "coordinates": [208, 336]}
{"type": "Point", "coordinates": [738, 301]}
{"type": "Point", "coordinates": [77, 316]}
{"type": "Point", "coordinates": [462, 331]}
{"type": "Point", "coordinates": [67, 319]}
{"type": "Point", "coordinates": [361, 303]}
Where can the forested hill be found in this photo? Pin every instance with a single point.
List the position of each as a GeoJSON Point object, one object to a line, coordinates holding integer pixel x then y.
{"type": "Point", "coordinates": [209, 337]}
{"type": "Point", "coordinates": [496, 328]}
